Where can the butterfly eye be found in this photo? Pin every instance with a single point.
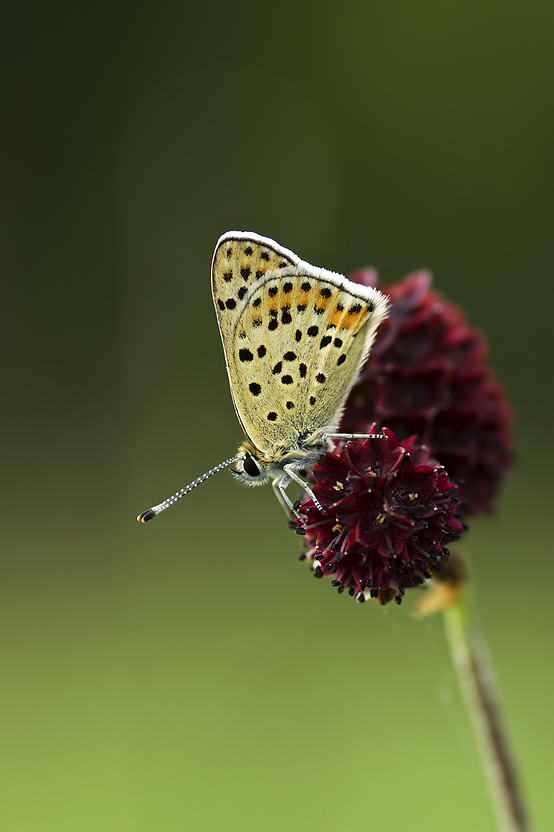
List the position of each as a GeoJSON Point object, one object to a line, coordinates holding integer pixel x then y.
{"type": "Point", "coordinates": [250, 467]}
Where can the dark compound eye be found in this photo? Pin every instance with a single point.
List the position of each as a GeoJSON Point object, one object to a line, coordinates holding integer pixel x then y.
{"type": "Point", "coordinates": [250, 467]}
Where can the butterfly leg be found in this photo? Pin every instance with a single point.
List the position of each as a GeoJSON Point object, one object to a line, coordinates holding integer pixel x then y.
{"type": "Point", "coordinates": [292, 475]}
{"type": "Point", "coordinates": [349, 437]}
{"type": "Point", "coordinates": [279, 486]}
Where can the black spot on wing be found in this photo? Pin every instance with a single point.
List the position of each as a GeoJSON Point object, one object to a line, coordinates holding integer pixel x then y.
{"type": "Point", "coordinates": [272, 291]}
{"type": "Point", "coordinates": [242, 291]}
{"type": "Point", "coordinates": [245, 355]}
{"type": "Point", "coordinates": [272, 416]}
{"type": "Point", "coordinates": [278, 367]}
{"type": "Point", "coordinates": [298, 335]}
{"type": "Point", "coordinates": [325, 341]}
{"type": "Point", "coordinates": [313, 331]}
{"type": "Point", "coordinates": [231, 303]}
{"type": "Point", "coordinates": [289, 356]}
{"type": "Point", "coordinates": [255, 388]}
{"type": "Point", "coordinates": [320, 378]}
{"type": "Point", "coordinates": [341, 359]}
{"type": "Point", "coordinates": [261, 351]}
{"type": "Point", "coordinates": [220, 304]}
{"type": "Point", "coordinates": [245, 273]}
{"type": "Point", "coordinates": [286, 379]}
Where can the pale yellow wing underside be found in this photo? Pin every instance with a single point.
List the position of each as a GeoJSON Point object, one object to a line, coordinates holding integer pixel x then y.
{"type": "Point", "coordinates": [294, 342]}
{"type": "Point", "coordinates": [240, 260]}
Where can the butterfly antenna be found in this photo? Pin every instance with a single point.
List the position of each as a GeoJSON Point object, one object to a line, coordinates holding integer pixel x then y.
{"type": "Point", "coordinates": [152, 512]}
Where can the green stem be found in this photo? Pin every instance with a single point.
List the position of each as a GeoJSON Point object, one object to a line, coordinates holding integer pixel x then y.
{"type": "Point", "coordinates": [477, 683]}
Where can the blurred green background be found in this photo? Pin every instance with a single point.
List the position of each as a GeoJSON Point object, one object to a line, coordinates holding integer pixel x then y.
{"type": "Point", "coordinates": [191, 674]}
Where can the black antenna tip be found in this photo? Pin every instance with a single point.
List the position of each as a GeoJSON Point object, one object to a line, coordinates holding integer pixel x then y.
{"type": "Point", "coordinates": [146, 515]}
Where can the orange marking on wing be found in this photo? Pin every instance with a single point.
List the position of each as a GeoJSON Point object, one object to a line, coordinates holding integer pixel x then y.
{"type": "Point", "coordinates": [360, 320]}
{"type": "Point", "coordinates": [302, 299]}
{"type": "Point", "coordinates": [323, 305]}
{"type": "Point", "coordinates": [355, 320]}
{"type": "Point", "coordinates": [348, 324]}
{"type": "Point", "coordinates": [336, 317]}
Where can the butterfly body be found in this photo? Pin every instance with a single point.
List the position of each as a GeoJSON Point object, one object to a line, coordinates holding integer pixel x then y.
{"type": "Point", "coordinates": [300, 456]}
{"type": "Point", "coordinates": [295, 338]}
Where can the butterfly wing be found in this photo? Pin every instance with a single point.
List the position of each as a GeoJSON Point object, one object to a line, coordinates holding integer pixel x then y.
{"type": "Point", "coordinates": [241, 259]}
{"type": "Point", "coordinates": [300, 338]}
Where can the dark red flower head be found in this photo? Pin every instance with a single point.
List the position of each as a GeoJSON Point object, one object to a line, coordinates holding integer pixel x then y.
{"type": "Point", "coordinates": [389, 512]}
{"type": "Point", "coordinates": [428, 376]}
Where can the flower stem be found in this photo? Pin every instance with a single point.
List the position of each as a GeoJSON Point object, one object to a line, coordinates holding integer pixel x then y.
{"type": "Point", "coordinates": [476, 679]}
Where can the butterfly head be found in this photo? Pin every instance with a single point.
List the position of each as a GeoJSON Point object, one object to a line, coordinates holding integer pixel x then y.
{"type": "Point", "coordinates": [252, 468]}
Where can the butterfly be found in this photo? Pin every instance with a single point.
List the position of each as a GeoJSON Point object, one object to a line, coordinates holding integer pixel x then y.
{"type": "Point", "coordinates": [295, 338]}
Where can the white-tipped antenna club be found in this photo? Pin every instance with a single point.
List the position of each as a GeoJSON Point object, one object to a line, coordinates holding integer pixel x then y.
{"type": "Point", "coordinates": [152, 512]}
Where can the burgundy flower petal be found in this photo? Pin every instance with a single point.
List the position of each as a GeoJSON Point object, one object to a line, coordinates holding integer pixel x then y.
{"type": "Point", "coordinates": [427, 376]}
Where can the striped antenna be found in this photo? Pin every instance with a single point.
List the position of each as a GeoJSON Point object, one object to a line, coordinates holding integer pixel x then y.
{"type": "Point", "coordinates": [151, 512]}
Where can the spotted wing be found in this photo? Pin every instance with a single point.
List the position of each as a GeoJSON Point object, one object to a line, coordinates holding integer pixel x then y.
{"type": "Point", "coordinates": [299, 341]}
{"type": "Point", "coordinates": [241, 259]}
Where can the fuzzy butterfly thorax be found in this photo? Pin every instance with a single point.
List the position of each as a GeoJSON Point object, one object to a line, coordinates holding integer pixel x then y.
{"type": "Point", "coordinates": [301, 457]}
